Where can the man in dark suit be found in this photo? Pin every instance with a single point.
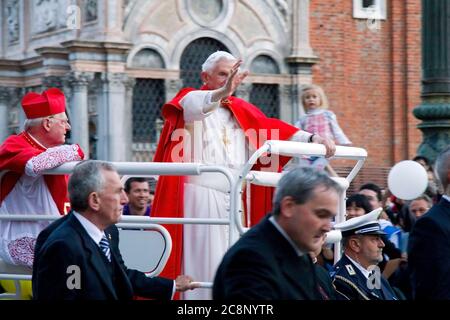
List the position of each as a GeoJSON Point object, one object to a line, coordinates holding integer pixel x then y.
{"type": "Point", "coordinates": [356, 275]}
{"type": "Point", "coordinates": [271, 260]}
{"type": "Point", "coordinates": [429, 243]}
{"type": "Point", "coordinates": [78, 257]}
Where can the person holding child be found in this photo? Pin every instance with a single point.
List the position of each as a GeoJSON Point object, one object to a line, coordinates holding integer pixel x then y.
{"type": "Point", "coordinates": [319, 120]}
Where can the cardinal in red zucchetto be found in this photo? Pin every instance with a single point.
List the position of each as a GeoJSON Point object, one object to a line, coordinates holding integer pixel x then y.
{"type": "Point", "coordinates": [24, 189]}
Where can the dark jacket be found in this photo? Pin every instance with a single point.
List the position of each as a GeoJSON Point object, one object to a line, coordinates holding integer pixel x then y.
{"type": "Point", "coordinates": [324, 281]}
{"type": "Point", "coordinates": [429, 254]}
{"type": "Point", "coordinates": [351, 284]}
{"type": "Point", "coordinates": [68, 244]}
{"type": "Point", "coordinates": [264, 265]}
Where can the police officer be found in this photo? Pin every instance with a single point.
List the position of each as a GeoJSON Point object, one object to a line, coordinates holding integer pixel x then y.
{"type": "Point", "coordinates": [356, 275]}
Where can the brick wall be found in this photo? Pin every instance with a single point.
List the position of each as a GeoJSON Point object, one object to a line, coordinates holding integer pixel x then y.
{"type": "Point", "coordinates": [371, 77]}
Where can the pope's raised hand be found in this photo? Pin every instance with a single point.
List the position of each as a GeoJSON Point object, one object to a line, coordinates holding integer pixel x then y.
{"type": "Point", "coordinates": [235, 78]}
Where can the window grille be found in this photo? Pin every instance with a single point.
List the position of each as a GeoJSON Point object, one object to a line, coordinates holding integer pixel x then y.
{"type": "Point", "coordinates": [266, 98]}
{"type": "Point", "coordinates": [193, 57]}
{"type": "Point", "coordinates": [148, 98]}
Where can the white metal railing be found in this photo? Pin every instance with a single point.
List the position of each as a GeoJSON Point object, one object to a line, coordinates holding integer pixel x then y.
{"type": "Point", "coordinates": [285, 148]}
{"type": "Point", "coordinates": [153, 168]}
{"type": "Point", "coordinates": [295, 149]}
{"type": "Point", "coordinates": [270, 179]}
{"type": "Point", "coordinates": [18, 273]}
{"type": "Point", "coordinates": [170, 169]}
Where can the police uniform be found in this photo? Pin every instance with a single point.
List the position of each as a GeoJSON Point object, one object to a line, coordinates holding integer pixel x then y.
{"type": "Point", "coordinates": [349, 281]}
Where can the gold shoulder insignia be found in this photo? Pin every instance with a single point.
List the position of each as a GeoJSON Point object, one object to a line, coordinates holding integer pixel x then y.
{"type": "Point", "coordinates": [350, 269]}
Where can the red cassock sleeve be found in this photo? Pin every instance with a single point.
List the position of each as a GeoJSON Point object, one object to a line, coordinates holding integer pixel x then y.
{"type": "Point", "coordinates": [15, 152]}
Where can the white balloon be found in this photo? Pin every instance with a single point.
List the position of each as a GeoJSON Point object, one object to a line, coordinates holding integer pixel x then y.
{"type": "Point", "coordinates": [407, 180]}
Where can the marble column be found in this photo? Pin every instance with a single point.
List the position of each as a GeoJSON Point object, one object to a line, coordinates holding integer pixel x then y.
{"type": "Point", "coordinates": [129, 85]}
{"type": "Point", "coordinates": [300, 29]}
{"type": "Point", "coordinates": [302, 57]}
{"type": "Point", "coordinates": [5, 97]}
{"type": "Point", "coordinates": [287, 113]}
{"type": "Point", "coordinates": [112, 14]}
{"type": "Point", "coordinates": [434, 111]}
{"type": "Point", "coordinates": [79, 115]}
{"type": "Point", "coordinates": [113, 122]}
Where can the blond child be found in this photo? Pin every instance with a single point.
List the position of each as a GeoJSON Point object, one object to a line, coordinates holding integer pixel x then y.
{"type": "Point", "coordinates": [319, 120]}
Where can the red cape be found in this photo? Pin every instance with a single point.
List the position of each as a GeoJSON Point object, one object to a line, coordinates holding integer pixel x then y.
{"type": "Point", "coordinates": [169, 194]}
{"type": "Point", "coordinates": [14, 154]}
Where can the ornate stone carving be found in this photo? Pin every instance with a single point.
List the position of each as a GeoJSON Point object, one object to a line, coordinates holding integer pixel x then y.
{"type": "Point", "coordinates": [79, 80]}
{"type": "Point", "coordinates": [48, 15]}
{"type": "Point", "coordinates": [53, 82]}
{"type": "Point", "coordinates": [206, 11]}
{"type": "Point", "coordinates": [91, 9]}
{"type": "Point", "coordinates": [12, 9]}
{"type": "Point", "coordinates": [283, 7]}
{"type": "Point", "coordinates": [114, 80]}
{"type": "Point", "coordinates": [129, 83]}
{"type": "Point", "coordinates": [9, 112]}
{"type": "Point", "coordinates": [10, 96]}
{"type": "Point", "coordinates": [5, 94]}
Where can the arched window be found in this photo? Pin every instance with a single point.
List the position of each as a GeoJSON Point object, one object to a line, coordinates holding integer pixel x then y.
{"type": "Point", "coordinates": [264, 64]}
{"type": "Point", "coordinates": [147, 58]}
{"type": "Point", "coordinates": [148, 97]}
{"type": "Point", "coordinates": [265, 95]}
{"type": "Point", "coordinates": [193, 57]}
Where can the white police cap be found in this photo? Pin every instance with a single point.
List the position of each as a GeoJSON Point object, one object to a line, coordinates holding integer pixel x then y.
{"type": "Point", "coordinates": [362, 225]}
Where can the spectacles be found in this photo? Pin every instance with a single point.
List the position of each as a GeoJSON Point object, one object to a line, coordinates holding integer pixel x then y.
{"type": "Point", "coordinates": [63, 121]}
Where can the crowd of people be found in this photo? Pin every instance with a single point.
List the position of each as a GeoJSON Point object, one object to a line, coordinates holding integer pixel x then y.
{"type": "Point", "coordinates": [386, 252]}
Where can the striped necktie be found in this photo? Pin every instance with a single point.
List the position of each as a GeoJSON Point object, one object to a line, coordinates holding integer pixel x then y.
{"type": "Point", "coordinates": [104, 245]}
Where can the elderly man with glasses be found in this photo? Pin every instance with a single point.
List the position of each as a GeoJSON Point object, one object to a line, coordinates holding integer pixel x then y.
{"type": "Point", "coordinates": [23, 160]}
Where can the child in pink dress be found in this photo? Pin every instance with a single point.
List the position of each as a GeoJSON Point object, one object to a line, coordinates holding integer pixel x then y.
{"type": "Point", "coordinates": [319, 120]}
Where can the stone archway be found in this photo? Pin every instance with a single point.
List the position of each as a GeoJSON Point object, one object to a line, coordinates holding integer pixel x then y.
{"type": "Point", "coordinates": [193, 57]}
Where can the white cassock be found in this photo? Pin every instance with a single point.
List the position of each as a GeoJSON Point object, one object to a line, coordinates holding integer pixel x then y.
{"type": "Point", "coordinates": [30, 195]}
{"type": "Point", "coordinates": [216, 139]}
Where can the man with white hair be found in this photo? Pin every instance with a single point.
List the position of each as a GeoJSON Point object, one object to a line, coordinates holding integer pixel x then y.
{"type": "Point", "coordinates": [24, 187]}
{"type": "Point", "coordinates": [210, 126]}
{"type": "Point", "coordinates": [429, 243]}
